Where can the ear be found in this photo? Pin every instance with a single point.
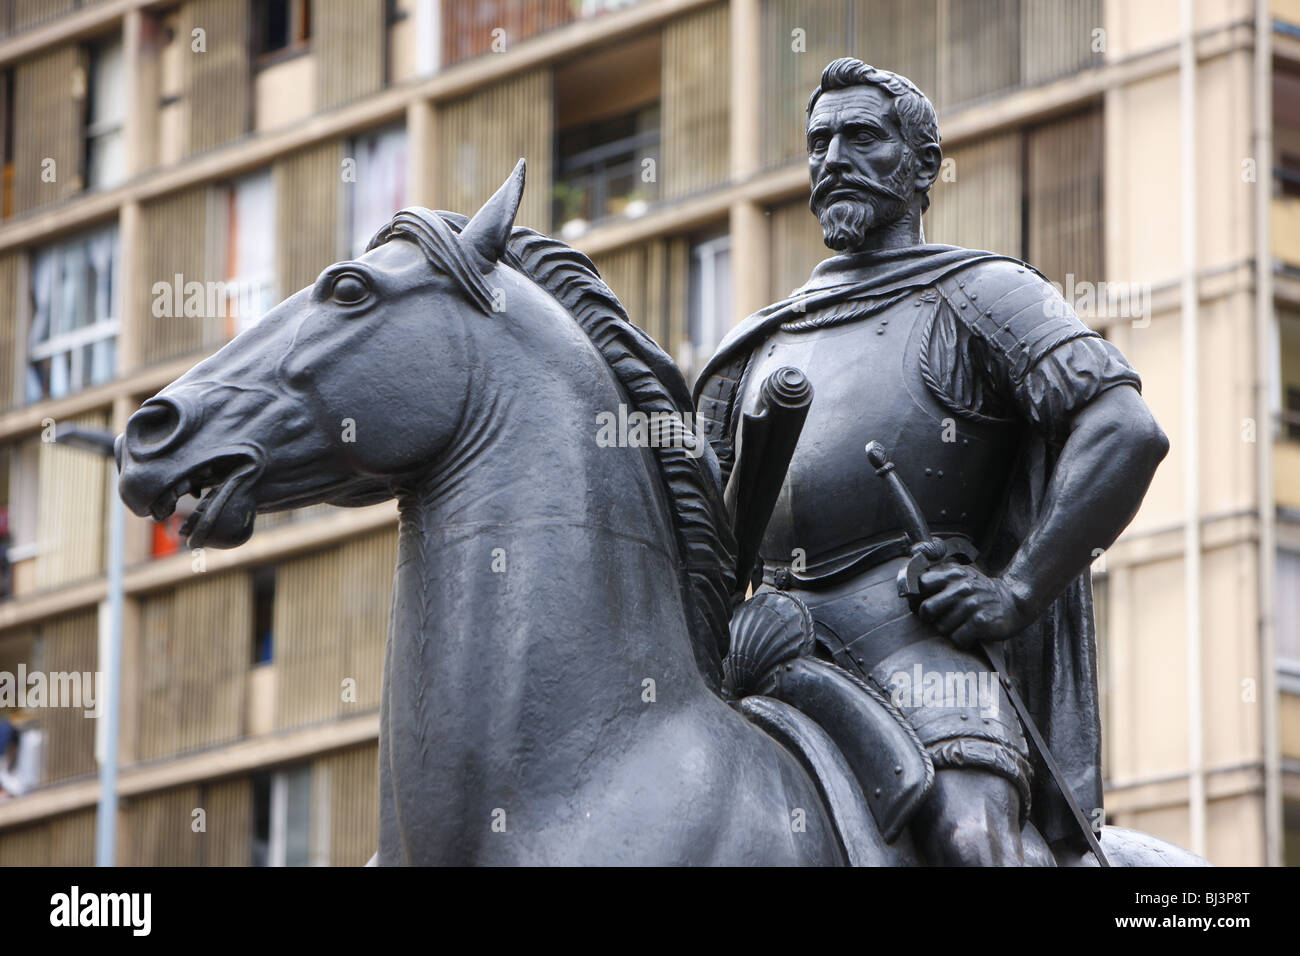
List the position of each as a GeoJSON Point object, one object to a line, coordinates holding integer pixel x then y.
{"type": "Point", "coordinates": [929, 163]}
{"type": "Point", "coordinates": [487, 233]}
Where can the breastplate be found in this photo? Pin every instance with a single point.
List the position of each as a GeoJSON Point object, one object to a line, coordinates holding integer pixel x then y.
{"type": "Point", "coordinates": [867, 386]}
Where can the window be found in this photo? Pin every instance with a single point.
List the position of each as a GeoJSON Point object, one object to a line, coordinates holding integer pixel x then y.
{"type": "Point", "coordinates": [250, 262]}
{"type": "Point", "coordinates": [105, 116]}
{"type": "Point", "coordinates": [19, 470]}
{"type": "Point", "coordinates": [1288, 175]}
{"type": "Point", "coordinates": [263, 615]}
{"type": "Point", "coordinates": [1287, 384]}
{"type": "Point", "coordinates": [74, 306]}
{"type": "Point", "coordinates": [282, 816]}
{"type": "Point", "coordinates": [708, 313]}
{"type": "Point", "coordinates": [1288, 612]}
{"type": "Point", "coordinates": [1291, 413]}
{"type": "Point", "coordinates": [280, 27]}
{"type": "Point", "coordinates": [20, 758]}
{"type": "Point", "coordinates": [606, 168]}
{"type": "Point", "coordinates": [379, 188]}
{"type": "Point", "coordinates": [1286, 132]}
{"type": "Point", "coordinates": [1291, 833]}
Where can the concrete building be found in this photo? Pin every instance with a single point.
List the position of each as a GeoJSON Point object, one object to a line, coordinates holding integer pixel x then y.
{"type": "Point", "coordinates": [172, 169]}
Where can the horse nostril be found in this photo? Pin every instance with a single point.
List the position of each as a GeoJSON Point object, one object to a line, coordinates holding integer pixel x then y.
{"type": "Point", "coordinates": [155, 426]}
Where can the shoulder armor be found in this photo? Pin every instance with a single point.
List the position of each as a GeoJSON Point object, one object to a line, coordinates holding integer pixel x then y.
{"type": "Point", "coordinates": [1016, 311]}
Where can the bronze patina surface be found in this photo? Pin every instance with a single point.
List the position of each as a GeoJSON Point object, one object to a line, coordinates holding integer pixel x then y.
{"type": "Point", "coordinates": [576, 671]}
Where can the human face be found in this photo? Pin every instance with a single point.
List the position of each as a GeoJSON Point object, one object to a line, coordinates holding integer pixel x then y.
{"type": "Point", "coordinates": [859, 163]}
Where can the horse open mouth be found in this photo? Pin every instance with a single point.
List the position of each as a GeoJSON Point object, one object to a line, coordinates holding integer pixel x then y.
{"type": "Point", "coordinates": [225, 512]}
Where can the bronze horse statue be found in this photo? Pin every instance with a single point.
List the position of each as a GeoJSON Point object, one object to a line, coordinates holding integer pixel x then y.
{"type": "Point", "coordinates": [554, 685]}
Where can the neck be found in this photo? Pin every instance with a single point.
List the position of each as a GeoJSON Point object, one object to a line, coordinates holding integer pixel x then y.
{"type": "Point", "coordinates": [537, 590]}
{"type": "Point", "coordinates": [903, 232]}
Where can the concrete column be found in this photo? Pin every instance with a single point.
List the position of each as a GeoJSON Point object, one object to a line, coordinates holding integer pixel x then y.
{"type": "Point", "coordinates": [140, 51]}
{"type": "Point", "coordinates": [746, 90]}
{"type": "Point", "coordinates": [749, 259]}
{"type": "Point", "coordinates": [748, 224]}
{"type": "Point", "coordinates": [130, 234]}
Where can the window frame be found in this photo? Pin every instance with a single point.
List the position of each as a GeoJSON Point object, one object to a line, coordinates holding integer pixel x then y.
{"type": "Point", "coordinates": [72, 343]}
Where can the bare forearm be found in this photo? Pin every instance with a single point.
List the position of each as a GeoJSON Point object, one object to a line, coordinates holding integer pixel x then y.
{"type": "Point", "coordinates": [1098, 483]}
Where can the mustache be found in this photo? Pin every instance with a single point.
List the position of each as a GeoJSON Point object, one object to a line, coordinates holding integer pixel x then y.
{"type": "Point", "coordinates": [830, 184]}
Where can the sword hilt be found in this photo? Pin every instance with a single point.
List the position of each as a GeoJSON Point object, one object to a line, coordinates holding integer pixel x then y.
{"type": "Point", "coordinates": [927, 550]}
{"type": "Point", "coordinates": [918, 532]}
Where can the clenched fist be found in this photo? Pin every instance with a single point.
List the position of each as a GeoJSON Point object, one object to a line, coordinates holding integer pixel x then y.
{"type": "Point", "coordinates": [969, 606]}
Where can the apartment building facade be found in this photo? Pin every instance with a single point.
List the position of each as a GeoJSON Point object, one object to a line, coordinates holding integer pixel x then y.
{"type": "Point", "coordinates": [171, 170]}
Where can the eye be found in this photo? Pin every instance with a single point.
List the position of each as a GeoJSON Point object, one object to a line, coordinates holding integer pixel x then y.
{"type": "Point", "coordinates": [349, 289]}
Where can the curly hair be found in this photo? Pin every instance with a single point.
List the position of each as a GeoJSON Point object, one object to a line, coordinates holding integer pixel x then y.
{"type": "Point", "coordinates": [913, 109]}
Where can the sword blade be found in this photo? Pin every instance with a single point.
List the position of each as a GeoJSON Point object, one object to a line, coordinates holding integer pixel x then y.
{"type": "Point", "coordinates": [993, 652]}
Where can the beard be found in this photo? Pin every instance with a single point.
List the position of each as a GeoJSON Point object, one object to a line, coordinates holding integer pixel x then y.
{"type": "Point", "coordinates": [846, 221]}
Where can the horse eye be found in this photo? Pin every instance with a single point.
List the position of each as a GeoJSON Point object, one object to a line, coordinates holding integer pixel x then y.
{"type": "Point", "coordinates": [349, 289]}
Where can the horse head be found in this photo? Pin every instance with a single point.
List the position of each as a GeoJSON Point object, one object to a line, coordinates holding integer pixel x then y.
{"type": "Point", "coordinates": [342, 390]}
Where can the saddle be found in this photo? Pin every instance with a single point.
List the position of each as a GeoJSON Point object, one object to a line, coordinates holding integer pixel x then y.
{"type": "Point", "coordinates": [861, 752]}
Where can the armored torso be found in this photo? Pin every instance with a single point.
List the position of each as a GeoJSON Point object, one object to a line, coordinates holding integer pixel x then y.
{"type": "Point", "coordinates": [864, 359]}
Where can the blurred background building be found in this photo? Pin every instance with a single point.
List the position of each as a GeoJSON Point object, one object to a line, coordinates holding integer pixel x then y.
{"type": "Point", "coordinates": [1151, 146]}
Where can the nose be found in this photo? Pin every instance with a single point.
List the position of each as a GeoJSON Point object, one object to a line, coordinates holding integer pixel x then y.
{"type": "Point", "coordinates": [157, 426]}
{"type": "Point", "coordinates": [835, 158]}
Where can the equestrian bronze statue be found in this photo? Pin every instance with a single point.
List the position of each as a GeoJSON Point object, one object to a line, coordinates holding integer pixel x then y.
{"type": "Point", "coordinates": [663, 649]}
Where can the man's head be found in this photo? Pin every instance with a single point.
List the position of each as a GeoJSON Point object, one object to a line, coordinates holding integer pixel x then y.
{"type": "Point", "coordinates": [873, 151]}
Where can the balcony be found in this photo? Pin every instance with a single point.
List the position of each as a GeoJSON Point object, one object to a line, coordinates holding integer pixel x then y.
{"type": "Point", "coordinates": [472, 28]}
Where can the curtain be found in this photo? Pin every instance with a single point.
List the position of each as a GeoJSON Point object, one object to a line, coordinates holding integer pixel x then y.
{"type": "Point", "coordinates": [380, 186]}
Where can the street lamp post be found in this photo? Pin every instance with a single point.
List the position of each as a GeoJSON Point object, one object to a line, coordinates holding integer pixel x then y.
{"type": "Point", "coordinates": [101, 443]}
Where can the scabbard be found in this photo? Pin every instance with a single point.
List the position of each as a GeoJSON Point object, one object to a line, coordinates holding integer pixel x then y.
{"type": "Point", "coordinates": [766, 441]}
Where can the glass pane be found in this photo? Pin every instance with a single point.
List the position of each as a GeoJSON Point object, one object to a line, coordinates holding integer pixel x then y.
{"type": "Point", "coordinates": [59, 384]}
{"type": "Point", "coordinates": [1288, 606]}
{"type": "Point", "coordinates": [38, 380]}
{"type": "Point", "coordinates": [108, 85]}
{"type": "Point", "coordinates": [298, 818]}
{"type": "Point", "coordinates": [105, 160]}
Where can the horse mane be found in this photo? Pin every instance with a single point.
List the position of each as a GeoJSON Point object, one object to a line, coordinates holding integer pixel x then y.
{"type": "Point", "coordinates": [654, 386]}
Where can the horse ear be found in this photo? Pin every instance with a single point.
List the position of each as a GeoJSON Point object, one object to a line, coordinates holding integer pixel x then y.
{"type": "Point", "coordinates": [487, 233]}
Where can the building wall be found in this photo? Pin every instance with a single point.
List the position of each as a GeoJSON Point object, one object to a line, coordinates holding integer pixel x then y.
{"type": "Point", "coordinates": [1063, 144]}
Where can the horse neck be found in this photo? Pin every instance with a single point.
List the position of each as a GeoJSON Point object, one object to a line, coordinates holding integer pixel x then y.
{"type": "Point", "coordinates": [538, 585]}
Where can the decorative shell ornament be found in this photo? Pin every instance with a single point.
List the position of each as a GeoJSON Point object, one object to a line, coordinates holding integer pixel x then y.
{"type": "Point", "coordinates": [769, 629]}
